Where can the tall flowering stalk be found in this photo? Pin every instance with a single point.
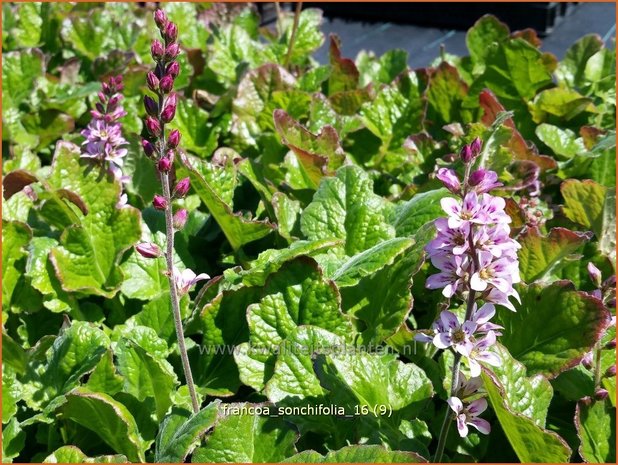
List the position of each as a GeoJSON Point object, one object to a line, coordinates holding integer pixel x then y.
{"type": "Point", "coordinates": [477, 263]}
{"type": "Point", "coordinates": [161, 148]}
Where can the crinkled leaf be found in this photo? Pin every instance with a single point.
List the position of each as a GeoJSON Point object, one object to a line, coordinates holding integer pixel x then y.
{"type": "Point", "coordinates": [13, 440]}
{"type": "Point", "coordinates": [596, 428]}
{"type": "Point", "coordinates": [345, 207]}
{"type": "Point", "coordinates": [539, 254]}
{"type": "Point", "coordinates": [192, 122]}
{"type": "Point", "coordinates": [185, 15]}
{"type": "Point", "coordinates": [247, 439]}
{"type": "Point", "coordinates": [107, 418]}
{"type": "Point", "coordinates": [237, 229]}
{"type": "Point", "coordinates": [87, 259]}
{"type": "Point", "coordinates": [483, 38]}
{"type": "Point", "coordinates": [583, 203]}
{"type": "Point", "coordinates": [11, 393]}
{"type": "Point", "coordinates": [553, 327]}
{"type": "Point", "coordinates": [424, 207]}
{"type": "Point", "coordinates": [607, 240]}
{"type": "Point", "coordinates": [445, 93]}
{"type": "Point", "coordinates": [20, 72]}
{"type": "Point", "coordinates": [530, 442]}
{"type": "Point", "coordinates": [561, 103]}
{"type": "Point", "coordinates": [571, 69]}
{"type": "Point", "coordinates": [181, 431]}
{"type": "Point", "coordinates": [308, 37]}
{"type": "Point", "coordinates": [563, 142]}
{"type": "Point", "coordinates": [383, 69]}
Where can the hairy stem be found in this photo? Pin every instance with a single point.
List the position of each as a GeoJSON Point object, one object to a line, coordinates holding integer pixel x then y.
{"type": "Point", "coordinates": [597, 366]}
{"type": "Point", "coordinates": [169, 260]}
{"type": "Point", "coordinates": [293, 35]}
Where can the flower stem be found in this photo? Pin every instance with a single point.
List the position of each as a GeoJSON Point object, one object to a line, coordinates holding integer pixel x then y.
{"type": "Point", "coordinates": [597, 366]}
{"type": "Point", "coordinates": [169, 260]}
{"type": "Point", "coordinates": [288, 56]}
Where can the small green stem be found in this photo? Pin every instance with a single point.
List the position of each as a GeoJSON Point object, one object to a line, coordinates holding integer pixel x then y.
{"type": "Point", "coordinates": [597, 366]}
{"type": "Point", "coordinates": [288, 56]}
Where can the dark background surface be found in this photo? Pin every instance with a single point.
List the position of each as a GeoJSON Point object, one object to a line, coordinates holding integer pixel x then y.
{"type": "Point", "coordinates": [423, 41]}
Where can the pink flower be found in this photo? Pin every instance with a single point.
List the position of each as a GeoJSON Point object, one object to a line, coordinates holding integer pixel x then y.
{"type": "Point", "coordinates": [501, 273]}
{"type": "Point", "coordinates": [468, 387]}
{"type": "Point", "coordinates": [159, 202]}
{"type": "Point", "coordinates": [460, 214]}
{"type": "Point", "coordinates": [449, 179]}
{"type": "Point", "coordinates": [480, 353]}
{"type": "Point", "coordinates": [449, 240]}
{"type": "Point", "coordinates": [481, 316]}
{"type": "Point", "coordinates": [186, 279]}
{"type": "Point", "coordinates": [453, 272]}
{"type": "Point", "coordinates": [180, 219]}
{"type": "Point", "coordinates": [450, 333]}
{"type": "Point", "coordinates": [483, 181]}
{"type": "Point", "coordinates": [493, 209]}
{"type": "Point", "coordinates": [468, 415]}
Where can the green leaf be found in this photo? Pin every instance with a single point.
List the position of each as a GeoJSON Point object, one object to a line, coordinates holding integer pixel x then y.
{"type": "Point", "coordinates": [181, 431]}
{"type": "Point", "coordinates": [345, 207]}
{"type": "Point", "coordinates": [530, 442]}
{"type": "Point", "coordinates": [308, 37]}
{"type": "Point", "coordinates": [424, 207]}
{"type": "Point", "coordinates": [529, 396]}
{"type": "Point", "coordinates": [548, 341]}
{"type": "Point", "coordinates": [20, 74]}
{"type": "Point", "coordinates": [383, 69]}
{"type": "Point", "coordinates": [382, 300]}
{"type": "Point", "coordinates": [72, 454]}
{"type": "Point", "coordinates": [561, 103]}
{"type": "Point", "coordinates": [318, 155]}
{"type": "Point", "coordinates": [87, 259]}
{"type": "Point", "coordinates": [89, 35]}
{"type": "Point", "coordinates": [15, 238]}
{"type": "Point", "coordinates": [483, 38]}
{"type": "Point", "coordinates": [571, 69]}
{"type": "Point", "coordinates": [596, 428]}
{"type": "Point", "coordinates": [28, 34]}
{"type": "Point", "coordinates": [564, 142]}
{"type": "Point", "coordinates": [13, 440]}
{"type": "Point", "coordinates": [358, 454]}
{"type": "Point", "coordinates": [295, 295]}
{"type": "Point", "coordinates": [11, 394]}
{"type": "Point", "coordinates": [607, 239]}
{"type": "Point", "coordinates": [247, 438]}
{"type": "Point", "coordinates": [445, 93]}
{"type": "Point", "coordinates": [374, 381]}
{"type": "Point", "coordinates": [583, 203]}
{"type": "Point", "coordinates": [185, 15]}
{"type": "Point", "coordinates": [237, 229]}
{"type": "Point", "coordinates": [73, 354]}
{"type": "Point", "coordinates": [539, 255]}
{"type": "Point", "coordinates": [105, 377]}
{"type": "Point", "coordinates": [107, 418]}
{"type": "Point", "coordinates": [145, 373]}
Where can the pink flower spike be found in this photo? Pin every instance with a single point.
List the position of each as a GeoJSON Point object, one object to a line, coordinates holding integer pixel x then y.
{"type": "Point", "coordinates": [449, 179]}
{"type": "Point", "coordinates": [186, 279]}
{"type": "Point", "coordinates": [148, 250]}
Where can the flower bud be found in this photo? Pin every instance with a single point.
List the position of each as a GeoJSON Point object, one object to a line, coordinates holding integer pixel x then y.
{"type": "Point", "coordinates": [601, 394]}
{"type": "Point", "coordinates": [172, 51]}
{"type": "Point", "coordinates": [105, 88]}
{"type": "Point", "coordinates": [173, 69]}
{"type": "Point", "coordinates": [170, 33]}
{"type": "Point", "coordinates": [100, 108]}
{"type": "Point", "coordinates": [160, 19]}
{"type": "Point", "coordinates": [167, 83]}
{"type": "Point", "coordinates": [466, 154]}
{"type": "Point", "coordinates": [153, 81]}
{"type": "Point", "coordinates": [152, 108]}
{"type": "Point", "coordinates": [102, 97]}
{"type": "Point", "coordinates": [153, 126]}
{"type": "Point", "coordinates": [173, 139]}
{"type": "Point", "coordinates": [169, 111]}
{"type": "Point", "coordinates": [180, 219]}
{"type": "Point", "coordinates": [483, 181]}
{"type": "Point", "coordinates": [156, 50]}
{"type": "Point", "coordinates": [164, 165]}
{"type": "Point", "coordinates": [148, 250]}
{"type": "Point", "coordinates": [182, 187]}
{"type": "Point", "coordinates": [610, 372]}
{"type": "Point", "coordinates": [595, 274]}
{"type": "Point", "coordinates": [148, 148]}
{"type": "Point", "coordinates": [449, 179]}
{"type": "Point", "coordinates": [476, 146]}
{"type": "Point", "coordinates": [611, 344]}
{"type": "Point", "coordinates": [159, 202]}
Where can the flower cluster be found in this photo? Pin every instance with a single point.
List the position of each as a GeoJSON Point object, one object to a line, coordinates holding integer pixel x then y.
{"type": "Point", "coordinates": [477, 262]}
{"type": "Point", "coordinates": [161, 147]}
{"type": "Point", "coordinates": [104, 141]}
